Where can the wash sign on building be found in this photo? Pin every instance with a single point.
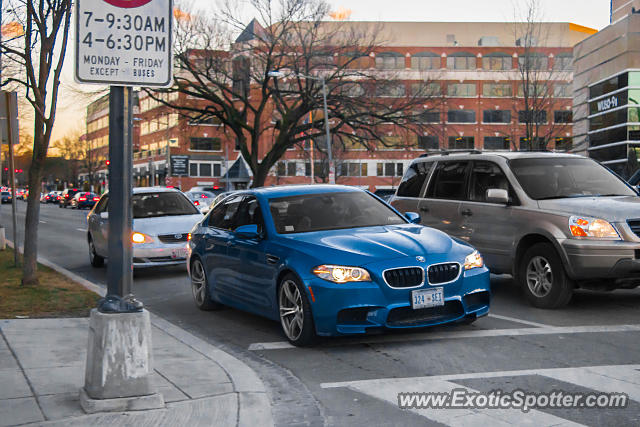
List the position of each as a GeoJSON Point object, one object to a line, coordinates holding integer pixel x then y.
{"type": "Point", "coordinates": [123, 42]}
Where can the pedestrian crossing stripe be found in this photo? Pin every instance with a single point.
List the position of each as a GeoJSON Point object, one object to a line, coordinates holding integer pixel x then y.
{"type": "Point", "coordinates": [609, 379]}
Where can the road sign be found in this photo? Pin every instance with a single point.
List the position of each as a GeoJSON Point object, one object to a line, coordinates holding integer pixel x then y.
{"type": "Point", "coordinates": [179, 165]}
{"type": "Point", "coordinates": [124, 42]}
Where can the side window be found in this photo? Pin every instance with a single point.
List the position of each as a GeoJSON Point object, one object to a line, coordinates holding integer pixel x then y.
{"type": "Point", "coordinates": [486, 175]}
{"type": "Point", "coordinates": [223, 214]}
{"type": "Point", "coordinates": [102, 205]}
{"type": "Point", "coordinates": [249, 213]}
{"type": "Point", "coordinates": [414, 179]}
{"type": "Point", "coordinates": [449, 181]}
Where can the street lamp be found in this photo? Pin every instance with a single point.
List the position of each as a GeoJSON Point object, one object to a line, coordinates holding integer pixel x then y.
{"type": "Point", "coordinates": [332, 173]}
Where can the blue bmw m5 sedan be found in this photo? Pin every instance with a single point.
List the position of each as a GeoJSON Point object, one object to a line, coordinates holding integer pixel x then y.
{"type": "Point", "coordinates": [332, 260]}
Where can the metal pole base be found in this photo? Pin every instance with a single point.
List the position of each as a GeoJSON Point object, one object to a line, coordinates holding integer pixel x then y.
{"type": "Point", "coordinates": [118, 371]}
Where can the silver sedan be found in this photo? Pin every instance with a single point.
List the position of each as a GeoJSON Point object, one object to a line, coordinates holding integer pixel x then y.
{"type": "Point", "coordinates": [162, 219]}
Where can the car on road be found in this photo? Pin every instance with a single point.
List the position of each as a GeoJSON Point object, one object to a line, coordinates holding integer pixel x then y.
{"type": "Point", "coordinates": [162, 219]}
{"type": "Point", "coordinates": [49, 197]}
{"type": "Point", "coordinates": [332, 260]}
{"type": "Point", "coordinates": [5, 197]}
{"type": "Point", "coordinates": [66, 196]}
{"type": "Point", "coordinates": [201, 199]}
{"type": "Point", "coordinates": [84, 200]}
{"type": "Point", "coordinates": [556, 222]}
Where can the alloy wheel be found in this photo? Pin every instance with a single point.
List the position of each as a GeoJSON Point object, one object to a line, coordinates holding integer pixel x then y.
{"type": "Point", "coordinates": [291, 310]}
{"type": "Point", "coordinates": [539, 276]}
{"type": "Point", "coordinates": [198, 283]}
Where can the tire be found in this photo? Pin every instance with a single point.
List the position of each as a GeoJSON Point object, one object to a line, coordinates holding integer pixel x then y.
{"type": "Point", "coordinates": [200, 288]}
{"type": "Point", "coordinates": [96, 260]}
{"type": "Point", "coordinates": [543, 278]}
{"type": "Point", "coordinates": [294, 309]}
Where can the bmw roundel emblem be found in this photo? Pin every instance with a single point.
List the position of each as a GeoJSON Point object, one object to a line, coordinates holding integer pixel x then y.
{"type": "Point", "coordinates": [178, 236]}
{"type": "Point", "coordinates": [420, 258]}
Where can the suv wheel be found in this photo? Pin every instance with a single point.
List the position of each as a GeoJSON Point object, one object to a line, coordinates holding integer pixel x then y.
{"type": "Point", "coordinates": [543, 278]}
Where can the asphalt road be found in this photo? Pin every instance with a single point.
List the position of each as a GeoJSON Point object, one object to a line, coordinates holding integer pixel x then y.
{"type": "Point", "coordinates": [592, 345]}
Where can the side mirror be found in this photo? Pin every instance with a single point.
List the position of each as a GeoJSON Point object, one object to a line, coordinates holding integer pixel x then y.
{"type": "Point", "coordinates": [413, 217]}
{"type": "Point", "coordinates": [249, 231]}
{"type": "Point", "coordinates": [104, 215]}
{"type": "Point", "coordinates": [497, 195]}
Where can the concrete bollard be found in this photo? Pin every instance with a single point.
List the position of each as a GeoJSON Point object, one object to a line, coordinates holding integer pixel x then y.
{"type": "Point", "coordinates": [118, 371]}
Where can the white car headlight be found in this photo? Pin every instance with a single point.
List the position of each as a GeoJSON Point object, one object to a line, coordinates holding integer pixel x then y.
{"type": "Point", "coordinates": [342, 274]}
{"type": "Point", "coordinates": [595, 228]}
{"type": "Point", "coordinates": [140, 238]}
{"type": "Point", "coordinates": [473, 260]}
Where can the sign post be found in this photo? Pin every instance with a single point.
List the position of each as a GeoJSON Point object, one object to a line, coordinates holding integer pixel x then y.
{"type": "Point", "coordinates": [122, 43]}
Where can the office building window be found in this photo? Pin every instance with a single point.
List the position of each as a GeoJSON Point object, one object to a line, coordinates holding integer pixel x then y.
{"type": "Point", "coordinates": [497, 143]}
{"type": "Point", "coordinates": [496, 90]}
{"type": "Point", "coordinates": [563, 61]}
{"type": "Point", "coordinates": [205, 169]}
{"type": "Point", "coordinates": [390, 89]}
{"type": "Point", "coordinates": [562, 90]}
{"type": "Point", "coordinates": [428, 142]}
{"type": "Point", "coordinates": [533, 61]}
{"type": "Point", "coordinates": [497, 61]}
{"type": "Point", "coordinates": [389, 61]}
{"type": "Point", "coordinates": [461, 61]}
{"type": "Point", "coordinates": [563, 116]}
{"type": "Point", "coordinates": [496, 116]}
{"type": "Point", "coordinates": [285, 168]}
{"type": "Point", "coordinates": [535, 144]}
{"type": "Point", "coordinates": [461, 116]}
{"type": "Point", "coordinates": [564, 144]}
{"type": "Point", "coordinates": [428, 116]}
{"type": "Point", "coordinates": [530, 116]}
{"type": "Point", "coordinates": [461, 143]}
{"type": "Point", "coordinates": [461, 89]}
{"type": "Point", "coordinates": [205, 144]}
{"type": "Point", "coordinates": [426, 90]}
{"type": "Point", "coordinates": [353, 169]}
{"type": "Point", "coordinates": [389, 169]}
{"type": "Point", "coordinates": [425, 61]}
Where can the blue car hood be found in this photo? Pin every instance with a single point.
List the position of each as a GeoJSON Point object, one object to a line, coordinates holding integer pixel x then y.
{"type": "Point", "coordinates": [361, 246]}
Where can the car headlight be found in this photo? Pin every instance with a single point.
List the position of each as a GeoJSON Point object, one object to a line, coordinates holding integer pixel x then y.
{"type": "Point", "coordinates": [584, 226]}
{"type": "Point", "coordinates": [473, 260]}
{"type": "Point", "coordinates": [140, 238]}
{"type": "Point", "coordinates": [342, 274]}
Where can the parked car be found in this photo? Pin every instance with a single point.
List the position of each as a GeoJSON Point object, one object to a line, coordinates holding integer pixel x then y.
{"type": "Point", "coordinates": [634, 181]}
{"type": "Point", "coordinates": [556, 222]}
{"type": "Point", "coordinates": [201, 199]}
{"type": "Point", "coordinates": [84, 200]}
{"type": "Point", "coordinates": [162, 218]}
{"type": "Point", "coordinates": [49, 197]}
{"type": "Point", "coordinates": [220, 197]}
{"type": "Point", "coordinates": [385, 193]}
{"type": "Point", "coordinates": [5, 197]}
{"type": "Point", "coordinates": [332, 260]}
{"type": "Point", "coordinates": [216, 190]}
{"type": "Point", "coordinates": [66, 197]}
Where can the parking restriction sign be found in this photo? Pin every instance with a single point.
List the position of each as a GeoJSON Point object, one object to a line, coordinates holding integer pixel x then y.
{"type": "Point", "coordinates": [124, 42]}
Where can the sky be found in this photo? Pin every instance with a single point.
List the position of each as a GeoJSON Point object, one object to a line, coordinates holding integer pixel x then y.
{"type": "Point", "coordinates": [590, 13]}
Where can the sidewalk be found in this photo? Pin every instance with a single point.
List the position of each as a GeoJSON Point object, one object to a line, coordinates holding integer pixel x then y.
{"type": "Point", "coordinates": [42, 364]}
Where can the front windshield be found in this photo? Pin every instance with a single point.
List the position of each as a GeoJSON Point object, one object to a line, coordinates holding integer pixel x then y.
{"type": "Point", "coordinates": [146, 205]}
{"type": "Point", "coordinates": [557, 178]}
{"type": "Point", "coordinates": [330, 211]}
{"type": "Point", "coordinates": [196, 195]}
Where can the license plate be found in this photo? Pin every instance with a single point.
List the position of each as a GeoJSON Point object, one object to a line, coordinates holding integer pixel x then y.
{"type": "Point", "coordinates": [425, 298]}
{"type": "Point", "coordinates": [179, 253]}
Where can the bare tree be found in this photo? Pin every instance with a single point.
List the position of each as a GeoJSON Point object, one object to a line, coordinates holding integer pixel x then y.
{"type": "Point", "coordinates": [535, 96]}
{"type": "Point", "coordinates": [39, 55]}
{"type": "Point", "coordinates": [232, 81]}
{"type": "Point", "coordinates": [72, 148]}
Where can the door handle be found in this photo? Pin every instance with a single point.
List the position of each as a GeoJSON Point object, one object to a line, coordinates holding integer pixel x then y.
{"type": "Point", "coordinates": [272, 259]}
{"type": "Point", "coordinates": [466, 212]}
{"type": "Point", "coordinates": [424, 209]}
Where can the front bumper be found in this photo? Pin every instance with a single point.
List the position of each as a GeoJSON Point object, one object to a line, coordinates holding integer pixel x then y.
{"type": "Point", "coordinates": [159, 254]}
{"type": "Point", "coordinates": [592, 259]}
{"type": "Point", "coordinates": [356, 308]}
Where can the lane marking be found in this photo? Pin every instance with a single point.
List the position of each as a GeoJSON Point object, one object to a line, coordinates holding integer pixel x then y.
{"type": "Point", "coordinates": [486, 333]}
{"type": "Point", "coordinates": [43, 222]}
{"type": "Point", "coordinates": [81, 229]}
{"type": "Point", "coordinates": [524, 322]}
{"type": "Point", "coordinates": [597, 378]}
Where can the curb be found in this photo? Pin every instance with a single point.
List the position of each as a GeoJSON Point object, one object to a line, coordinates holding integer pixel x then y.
{"type": "Point", "coordinates": [246, 382]}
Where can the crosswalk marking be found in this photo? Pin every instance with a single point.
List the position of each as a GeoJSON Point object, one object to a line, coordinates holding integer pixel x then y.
{"type": "Point", "coordinates": [611, 378]}
{"type": "Point", "coordinates": [450, 335]}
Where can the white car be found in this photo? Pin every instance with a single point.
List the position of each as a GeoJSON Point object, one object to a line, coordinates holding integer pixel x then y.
{"type": "Point", "coordinates": [162, 219]}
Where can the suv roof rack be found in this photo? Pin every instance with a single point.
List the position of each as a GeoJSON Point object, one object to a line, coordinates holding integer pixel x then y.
{"type": "Point", "coordinates": [447, 152]}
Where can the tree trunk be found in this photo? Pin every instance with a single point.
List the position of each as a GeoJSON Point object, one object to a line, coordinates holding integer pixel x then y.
{"type": "Point", "coordinates": [30, 265]}
{"type": "Point", "coordinates": [260, 175]}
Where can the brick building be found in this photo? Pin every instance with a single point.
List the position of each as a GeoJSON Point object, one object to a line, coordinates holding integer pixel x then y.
{"type": "Point", "coordinates": [472, 73]}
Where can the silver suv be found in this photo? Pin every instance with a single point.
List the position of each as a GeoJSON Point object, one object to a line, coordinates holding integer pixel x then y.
{"type": "Point", "coordinates": [556, 222]}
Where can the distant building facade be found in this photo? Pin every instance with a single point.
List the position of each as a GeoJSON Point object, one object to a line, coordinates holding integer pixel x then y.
{"type": "Point", "coordinates": [472, 70]}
